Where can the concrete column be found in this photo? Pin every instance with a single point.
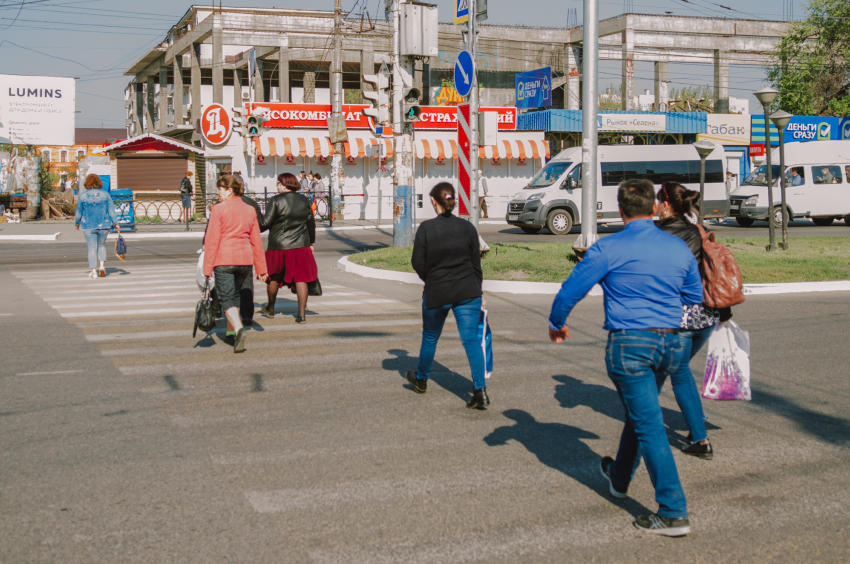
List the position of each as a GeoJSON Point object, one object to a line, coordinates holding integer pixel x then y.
{"type": "Point", "coordinates": [572, 88]}
{"type": "Point", "coordinates": [662, 92]}
{"type": "Point", "coordinates": [259, 91]}
{"type": "Point", "coordinates": [309, 87]}
{"type": "Point", "coordinates": [150, 104]}
{"type": "Point", "coordinates": [628, 70]}
{"type": "Point", "coordinates": [195, 64]}
{"type": "Point", "coordinates": [140, 106]}
{"type": "Point", "coordinates": [367, 66]}
{"type": "Point", "coordinates": [721, 82]}
{"type": "Point", "coordinates": [237, 88]}
{"type": "Point", "coordinates": [283, 71]}
{"type": "Point", "coordinates": [217, 61]}
{"type": "Point", "coordinates": [178, 91]}
{"type": "Point", "coordinates": [163, 98]}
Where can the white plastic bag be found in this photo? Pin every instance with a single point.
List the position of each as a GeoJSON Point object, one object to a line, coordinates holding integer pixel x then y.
{"type": "Point", "coordinates": [727, 369]}
{"type": "Point", "coordinates": [200, 279]}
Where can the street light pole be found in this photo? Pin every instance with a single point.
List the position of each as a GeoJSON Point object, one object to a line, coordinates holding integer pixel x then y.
{"type": "Point", "coordinates": [589, 128]}
{"type": "Point", "coordinates": [766, 96]}
{"type": "Point", "coordinates": [780, 119]}
{"type": "Point", "coordinates": [704, 148]}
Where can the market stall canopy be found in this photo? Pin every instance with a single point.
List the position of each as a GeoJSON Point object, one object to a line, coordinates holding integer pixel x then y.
{"type": "Point", "coordinates": [150, 142]}
{"type": "Point", "coordinates": [299, 144]}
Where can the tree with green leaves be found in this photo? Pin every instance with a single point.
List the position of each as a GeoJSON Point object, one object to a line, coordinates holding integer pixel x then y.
{"type": "Point", "coordinates": [811, 66]}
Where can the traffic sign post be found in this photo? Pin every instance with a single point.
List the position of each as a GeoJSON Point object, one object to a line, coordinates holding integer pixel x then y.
{"type": "Point", "coordinates": [466, 174]}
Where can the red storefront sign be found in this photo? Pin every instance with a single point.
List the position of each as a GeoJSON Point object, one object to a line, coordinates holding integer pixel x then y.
{"type": "Point", "coordinates": [757, 149]}
{"type": "Point", "coordinates": [315, 116]}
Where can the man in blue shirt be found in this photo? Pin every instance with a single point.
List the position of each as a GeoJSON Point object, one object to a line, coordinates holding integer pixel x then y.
{"type": "Point", "coordinates": [646, 275]}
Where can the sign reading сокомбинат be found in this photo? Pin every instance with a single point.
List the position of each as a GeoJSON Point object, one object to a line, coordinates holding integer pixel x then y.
{"type": "Point", "coordinates": [37, 110]}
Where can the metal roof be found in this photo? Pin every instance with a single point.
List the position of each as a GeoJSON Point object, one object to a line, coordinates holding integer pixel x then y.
{"type": "Point", "coordinates": [570, 120]}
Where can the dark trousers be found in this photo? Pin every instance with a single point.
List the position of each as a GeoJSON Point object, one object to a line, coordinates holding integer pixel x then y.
{"type": "Point", "coordinates": [246, 299]}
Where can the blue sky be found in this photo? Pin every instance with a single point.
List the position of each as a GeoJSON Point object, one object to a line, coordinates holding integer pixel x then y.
{"type": "Point", "coordinates": [97, 40]}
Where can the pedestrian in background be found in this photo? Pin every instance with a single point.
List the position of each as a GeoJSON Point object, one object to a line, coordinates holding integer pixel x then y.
{"type": "Point", "coordinates": [698, 320]}
{"type": "Point", "coordinates": [96, 216]}
{"type": "Point", "coordinates": [246, 292]}
{"type": "Point", "coordinates": [186, 191]}
{"type": "Point", "coordinates": [446, 256]}
{"type": "Point", "coordinates": [292, 232]}
{"type": "Point", "coordinates": [304, 182]}
{"type": "Point", "coordinates": [482, 202]}
{"type": "Point", "coordinates": [232, 244]}
{"type": "Point", "coordinates": [647, 276]}
{"type": "Point", "coordinates": [319, 188]}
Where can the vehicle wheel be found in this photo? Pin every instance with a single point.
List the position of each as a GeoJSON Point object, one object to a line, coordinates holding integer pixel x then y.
{"type": "Point", "coordinates": [847, 219]}
{"type": "Point", "coordinates": [822, 221]}
{"type": "Point", "coordinates": [744, 221]}
{"type": "Point", "coordinates": [777, 217]}
{"type": "Point", "coordinates": [559, 222]}
{"type": "Point", "coordinates": [530, 230]}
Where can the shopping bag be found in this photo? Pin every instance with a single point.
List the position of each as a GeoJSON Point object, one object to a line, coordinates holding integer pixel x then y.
{"type": "Point", "coordinates": [727, 370]}
{"type": "Point", "coordinates": [485, 337]}
{"type": "Point", "coordinates": [200, 279]}
{"type": "Point", "coordinates": [120, 248]}
{"type": "Point", "coordinates": [204, 318]}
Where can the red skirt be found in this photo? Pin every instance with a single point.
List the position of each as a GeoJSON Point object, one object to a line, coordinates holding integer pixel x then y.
{"type": "Point", "coordinates": [290, 266]}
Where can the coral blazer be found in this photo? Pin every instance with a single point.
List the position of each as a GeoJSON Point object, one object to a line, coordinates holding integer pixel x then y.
{"type": "Point", "coordinates": [233, 237]}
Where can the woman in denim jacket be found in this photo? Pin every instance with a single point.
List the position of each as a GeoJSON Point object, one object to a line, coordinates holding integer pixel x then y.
{"type": "Point", "coordinates": [96, 215]}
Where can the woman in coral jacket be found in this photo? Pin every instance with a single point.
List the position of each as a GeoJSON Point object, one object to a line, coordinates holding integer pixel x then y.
{"type": "Point", "coordinates": [232, 244]}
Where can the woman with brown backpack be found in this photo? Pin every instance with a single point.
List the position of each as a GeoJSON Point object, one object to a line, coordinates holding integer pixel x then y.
{"type": "Point", "coordinates": [675, 204]}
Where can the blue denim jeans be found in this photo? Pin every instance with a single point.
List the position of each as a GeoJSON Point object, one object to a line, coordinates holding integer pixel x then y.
{"type": "Point", "coordinates": [684, 386]}
{"type": "Point", "coordinates": [638, 363]}
{"type": "Point", "coordinates": [466, 313]}
{"type": "Point", "coordinates": [96, 242]}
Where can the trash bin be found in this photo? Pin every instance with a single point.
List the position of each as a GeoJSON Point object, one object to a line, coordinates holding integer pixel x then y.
{"type": "Point", "coordinates": [123, 200]}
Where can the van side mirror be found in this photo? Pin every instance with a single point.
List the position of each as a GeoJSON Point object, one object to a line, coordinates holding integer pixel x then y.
{"type": "Point", "coordinates": [568, 184]}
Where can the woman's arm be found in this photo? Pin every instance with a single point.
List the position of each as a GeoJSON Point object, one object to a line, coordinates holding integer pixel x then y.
{"type": "Point", "coordinates": [420, 251]}
{"type": "Point", "coordinates": [266, 220]}
{"type": "Point", "coordinates": [257, 250]}
{"type": "Point", "coordinates": [78, 215]}
{"type": "Point", "coordinates": [113, 215]}
{"type": "Point", "coordinates": [475, 257]}
{"type": "Point", "coordinates": [211, 241]}
{"type": "Point", "coordinates": [311, 227]}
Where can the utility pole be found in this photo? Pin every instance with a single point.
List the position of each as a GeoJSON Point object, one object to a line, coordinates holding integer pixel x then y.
{"type": "Point", "coordinates": [336, 111]}
{"type": "Point", "coordinates": [403, 185]}
{"type": "Point", "coordinates": [589, 129]}
{"type": "Point", "coordinates": [472, 44]}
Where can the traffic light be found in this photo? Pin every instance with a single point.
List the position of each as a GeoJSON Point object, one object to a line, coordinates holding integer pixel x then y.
{"type": "Point", "coordinates": [239, 122]}
{"type": "Point", "coordinates": [253, 126]}
{"type": "Point", "coordinates": [380, 100]}
{"type": "Point", "coordinates": [412, 111]}
{"type": "Point", "coordinates": [260, 115]}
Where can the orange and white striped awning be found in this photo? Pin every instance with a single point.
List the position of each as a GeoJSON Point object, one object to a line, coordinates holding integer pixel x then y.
{"type": "Point", "coordinates": [282, 145]}
{"type": "Point", "coordinates": [513, 149]}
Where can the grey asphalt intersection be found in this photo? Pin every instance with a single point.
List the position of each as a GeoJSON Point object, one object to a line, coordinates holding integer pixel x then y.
{"type": "Point", "coordinates": [131, 441]}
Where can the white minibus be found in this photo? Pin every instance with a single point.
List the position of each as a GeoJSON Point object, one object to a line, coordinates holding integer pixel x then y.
{"type": "Point", "coordinates": [817, 185]}
{"type": "Point", "coordinates": [552, 199]}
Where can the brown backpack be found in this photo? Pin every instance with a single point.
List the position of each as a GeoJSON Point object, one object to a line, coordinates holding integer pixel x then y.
{"type": "Point", "coordinates": [721, 276]}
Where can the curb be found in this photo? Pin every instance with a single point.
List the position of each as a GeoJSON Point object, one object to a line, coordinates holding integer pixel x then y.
{"type": "Point", "coordinates": [30, 237]}
{"type": "Point", "coordinates": [178, 235]}
{"type": "Point", "coordinates": [551, 288]}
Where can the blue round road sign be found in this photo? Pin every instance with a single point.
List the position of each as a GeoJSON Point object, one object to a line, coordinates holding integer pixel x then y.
{"type": "Point", "coordinates": [464, 73]}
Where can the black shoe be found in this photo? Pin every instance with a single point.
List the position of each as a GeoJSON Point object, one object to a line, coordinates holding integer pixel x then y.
{"type": "Point", "coordinates": [301, 319]}
{"type": "Point", "coordinates": [230, 340]}
{"type": "Point", "coordinates": [420, 386]}
{"type": "Point", "coordinates": [665, 526]}
{"type": "Point", "coordinates": [239, 341]}
{"type": "Point", "coordinates": [700, 451]}
{"type": "Point", "coordinates": [247, 322]}
{"type": "Point", "coordinates": [603, 467]}
{"type": "Point", "coordinates": [480, 400]}
{"type": "Point", "coordinates": [690, 439]}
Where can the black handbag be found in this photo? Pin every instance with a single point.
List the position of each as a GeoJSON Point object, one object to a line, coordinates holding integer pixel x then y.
{"type": "Point", "coordinates": [204, 318]}
{"type": "Point", "coordinates": [314, 288]}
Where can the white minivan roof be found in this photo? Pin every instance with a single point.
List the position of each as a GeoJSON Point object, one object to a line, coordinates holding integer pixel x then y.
{"type": "Point", "coordinates": [637, 153]}
{"type": "Point", "coordinates": [811, 152]}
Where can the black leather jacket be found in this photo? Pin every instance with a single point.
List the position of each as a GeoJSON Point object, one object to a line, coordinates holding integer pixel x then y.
{"type": "Point", "coordinates": [684, 230]}
{"type": "Point", "coordinates": [289, 221]}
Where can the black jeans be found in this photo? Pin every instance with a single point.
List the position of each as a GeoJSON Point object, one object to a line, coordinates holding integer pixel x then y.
{"type": "Point", "coordinates": [234, 287]}
{"type": "Point", "coordinates": [246, 299]}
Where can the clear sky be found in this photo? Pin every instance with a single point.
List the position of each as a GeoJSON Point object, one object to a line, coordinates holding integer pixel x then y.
{"type": "Point", "coordinates": [97, 40]}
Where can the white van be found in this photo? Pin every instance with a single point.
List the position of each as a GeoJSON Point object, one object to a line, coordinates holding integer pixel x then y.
{"type": "Point", "coordinates": [552, 199]}
{"type": "Point", "coordinates": [817, 185]}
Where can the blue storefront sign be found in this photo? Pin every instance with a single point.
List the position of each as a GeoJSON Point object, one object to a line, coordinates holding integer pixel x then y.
{"type": "Point", "coordinates": [799, 129]}
{"type": "Point", "coordinates": [534, 88]}
{"type": "Point", "coordinates": [844, 128]}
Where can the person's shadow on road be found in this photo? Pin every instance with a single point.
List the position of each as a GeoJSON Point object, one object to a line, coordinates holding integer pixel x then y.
{"type": "Point", "coordinates": [440, 375]}
{"type": "Point", "coordinates": [560, 447]}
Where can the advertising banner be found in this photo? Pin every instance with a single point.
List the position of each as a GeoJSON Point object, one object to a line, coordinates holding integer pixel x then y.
{"type": "Point", "coordinates": [844, 128]}
{"type": "Point", "coordinates": [534, 88]}
{"type": "Point", "coordinates": [632, 122]}
{"type": "Point", "coordinates": [799, 129]}
{"type": "Point", "coordinates": [445, 117]}
{"type": "Point", "coordinates": [37, 110]}
{"type": "Point", "coordinates": [727, 129]}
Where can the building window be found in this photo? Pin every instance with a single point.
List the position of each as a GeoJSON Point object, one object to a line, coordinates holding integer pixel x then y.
{"type": "Point", "coordinates": [63, 156]}
{"type": "Point", "coordinates": [45, 155]}
{"type": "Point", "coordinates": [80, 154]}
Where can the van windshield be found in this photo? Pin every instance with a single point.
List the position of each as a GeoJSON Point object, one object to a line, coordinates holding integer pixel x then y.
{"type": "Point", "coordinates": [549, 175]}
{"type": "Point", "coordinates": [758, 177]}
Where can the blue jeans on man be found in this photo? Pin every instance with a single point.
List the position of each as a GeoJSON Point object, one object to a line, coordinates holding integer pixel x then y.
{"type": "Point", "coordinates": [638, 362]}
{"type": "Point", "coordinates": [467, 313]}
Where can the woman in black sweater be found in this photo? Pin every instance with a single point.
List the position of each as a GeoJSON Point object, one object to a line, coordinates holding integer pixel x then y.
{"type": "Point", "coordinates": [446, 256]}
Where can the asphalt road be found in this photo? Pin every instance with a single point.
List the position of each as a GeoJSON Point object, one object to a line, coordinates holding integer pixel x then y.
{"type": "Point", "coordinates": [127, 440]}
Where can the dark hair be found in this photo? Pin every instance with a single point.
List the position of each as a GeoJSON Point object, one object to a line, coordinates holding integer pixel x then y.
{"type": "Point", "coordinates": [681, 200]}
{"type": "Point", "coordinates": [289, 181]}
{"type": "Point", "coordinates": [93, 181]}
{"type": "Point", "coordinates": [318, 176]}
{"type": "Point", "coordinates": [444, 193]}
{"type": "Point", "coordinates": [232, 183]}
{"type": "Point", "coordinates": [636, 197]}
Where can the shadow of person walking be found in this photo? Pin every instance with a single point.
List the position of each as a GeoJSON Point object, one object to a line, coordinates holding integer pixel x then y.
{"type": "Point", "coordinates": [440, 375]}
{"type": "Point", "coordinates": [560, 447]}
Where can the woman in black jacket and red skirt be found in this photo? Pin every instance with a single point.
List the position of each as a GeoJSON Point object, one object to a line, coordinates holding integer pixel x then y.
{"type": "Point", "coordinates": [292, 233]}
